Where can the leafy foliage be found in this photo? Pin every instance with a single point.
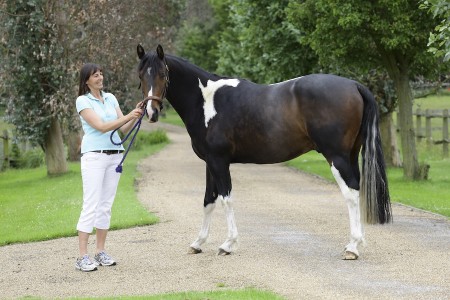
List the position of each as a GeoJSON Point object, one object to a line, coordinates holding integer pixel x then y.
{"type": "Point", "coordinates": [37, 72]}
{"type": "Point", "coordinates": [366, 34]}
{"type": "Point", "coordinates": [439, 40]}
{"type": "Point", "coordinates": [258, 43]}
{"type": "Point", "coordinates": [45, 43]}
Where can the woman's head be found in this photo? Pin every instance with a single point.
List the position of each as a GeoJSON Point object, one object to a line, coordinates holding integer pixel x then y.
{"type": "Point", "coordinates": [85, 73]}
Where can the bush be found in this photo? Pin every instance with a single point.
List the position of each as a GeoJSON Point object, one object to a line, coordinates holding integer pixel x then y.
{"type": "Point", "coordinates": [33, 158]}
{"type": "Point", "coordinates": [148, 138]}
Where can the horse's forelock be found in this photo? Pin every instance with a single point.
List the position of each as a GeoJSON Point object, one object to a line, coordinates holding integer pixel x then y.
{"type": "Point", "coordinates": [150, 59]}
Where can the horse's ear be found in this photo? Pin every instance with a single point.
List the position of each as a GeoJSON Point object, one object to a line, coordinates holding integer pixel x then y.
{"type": "Point", "coordinates": [160, 52]}
{"type": "Point", "coordinates": [140, 51]}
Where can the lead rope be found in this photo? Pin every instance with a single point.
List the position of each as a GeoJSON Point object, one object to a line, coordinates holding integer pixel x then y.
{"type": "Point", "coordinates": [136, 127]}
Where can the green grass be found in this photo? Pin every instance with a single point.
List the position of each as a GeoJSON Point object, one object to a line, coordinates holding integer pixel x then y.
{"type": "Point", "coordinates": [439, 101]}
{"type": "Point", "coordinates": [35, 207]}
{"type": "Point", "coordinates": [172, 117]}
{"type": "Point", "coordinates": [431, 195]}
{"type": "Point", "coordinates": [244, 294]}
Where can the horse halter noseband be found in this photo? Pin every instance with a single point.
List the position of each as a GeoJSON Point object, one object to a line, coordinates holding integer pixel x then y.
{"type": "Point", "coordinates": [163, 95]}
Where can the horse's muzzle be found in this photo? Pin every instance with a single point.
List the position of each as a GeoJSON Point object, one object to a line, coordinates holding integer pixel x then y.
{"type": "Point", "coordinates": [155, 115]}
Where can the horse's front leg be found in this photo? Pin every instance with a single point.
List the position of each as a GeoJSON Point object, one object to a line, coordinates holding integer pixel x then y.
{"type": "Point", "coordinates": [208, 208]}
{"type": "Point", "coordinates": [231, 242]}
{"type": "Point", "coordinates": [220, 171]}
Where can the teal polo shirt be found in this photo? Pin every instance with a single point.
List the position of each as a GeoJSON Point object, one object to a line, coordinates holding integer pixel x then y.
{"type": "Point", "coordinates": [94, 139]}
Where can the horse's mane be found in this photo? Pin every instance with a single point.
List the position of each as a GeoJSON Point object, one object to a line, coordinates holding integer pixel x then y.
{"type": "Point", "coordinates": [150, 59]}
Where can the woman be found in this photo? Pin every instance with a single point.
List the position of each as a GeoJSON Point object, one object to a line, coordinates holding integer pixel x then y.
{"type": "Point", "coordinates": [99, 114]}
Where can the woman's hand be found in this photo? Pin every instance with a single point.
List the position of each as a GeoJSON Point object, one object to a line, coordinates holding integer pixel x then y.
{"type": "Point", "coordinates": [135, 113]}
{"type": "Point", "coordinates": [140, 104]}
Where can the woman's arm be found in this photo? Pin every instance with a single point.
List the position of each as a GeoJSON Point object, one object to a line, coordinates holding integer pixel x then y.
{"type": "Point", "coordinates": [127, 127]}
{"type": "Point", "coordinates": [96, 122]}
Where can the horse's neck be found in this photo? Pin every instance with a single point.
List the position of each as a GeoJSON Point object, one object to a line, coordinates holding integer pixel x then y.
{"type": "Point", "coordinates": [185, 96]}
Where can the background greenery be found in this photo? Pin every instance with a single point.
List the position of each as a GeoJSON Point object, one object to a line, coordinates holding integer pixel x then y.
{"type": "Point", "coordinates": [35, 207]}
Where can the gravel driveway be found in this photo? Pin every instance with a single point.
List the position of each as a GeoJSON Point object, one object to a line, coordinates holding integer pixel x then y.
{"type": "Point", "coordinates": [293, 228]}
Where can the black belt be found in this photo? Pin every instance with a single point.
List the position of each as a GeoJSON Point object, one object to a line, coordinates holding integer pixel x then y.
{"type": "Point", "coordinates": [108, 152]}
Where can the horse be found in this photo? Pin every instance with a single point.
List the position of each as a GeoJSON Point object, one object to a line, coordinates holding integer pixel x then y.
{"type": "Point", "coordinates": [233, 120]}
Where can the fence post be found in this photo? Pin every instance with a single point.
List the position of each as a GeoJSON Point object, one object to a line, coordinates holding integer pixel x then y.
{"type": "Point", "coordinates": [445, 140]}
{"type": "Point", "coordinates": [419, 134]}
{"type": "Point", "coordinates": [428, 128]}
{"type": "Point", "coordinates": [5, 138]}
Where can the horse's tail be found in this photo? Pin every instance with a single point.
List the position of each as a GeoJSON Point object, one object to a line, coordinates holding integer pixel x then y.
{"type": "Point", "coordinates": [374, 191]}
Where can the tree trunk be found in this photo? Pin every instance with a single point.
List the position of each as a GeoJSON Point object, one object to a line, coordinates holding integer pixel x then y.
{"type": "Point", "coordinates": [73, 145]}
{"type": "Point", "coordinates": [55, 156]}
{"type": "Point", "coordinates": [411, 167]}
{"type": "Point", "coordinates": [389, 143]}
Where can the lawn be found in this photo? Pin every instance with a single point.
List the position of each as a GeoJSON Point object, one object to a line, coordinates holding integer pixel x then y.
{"type": "Point", "coordinates": [35, 207]}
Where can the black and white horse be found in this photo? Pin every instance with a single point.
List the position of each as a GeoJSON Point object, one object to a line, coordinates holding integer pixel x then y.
{"type": "Point", "coordinates": [233, 120]}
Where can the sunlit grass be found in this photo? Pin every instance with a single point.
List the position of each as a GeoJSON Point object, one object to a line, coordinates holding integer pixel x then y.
{"type": "Point", "coordinates": [35, 207]}
{"type": "Point", "coordinates": [244, 294]}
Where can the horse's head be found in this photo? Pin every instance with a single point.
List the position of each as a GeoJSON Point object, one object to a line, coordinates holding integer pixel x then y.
{"type": "Point", "coordinates": [154, 76]}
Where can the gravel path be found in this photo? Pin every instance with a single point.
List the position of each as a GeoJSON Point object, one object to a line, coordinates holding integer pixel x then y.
{"type": "Point", "coordinates": [293, 228]}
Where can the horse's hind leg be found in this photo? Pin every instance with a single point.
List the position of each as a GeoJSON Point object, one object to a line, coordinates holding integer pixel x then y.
{"type": "Point", "coordinates": [347, 177]}
{"type": "Point", "coordinates": [209, 205]}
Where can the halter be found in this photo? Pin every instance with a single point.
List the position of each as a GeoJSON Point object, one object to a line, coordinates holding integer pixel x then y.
{"type": "Point", "coordinates": [137, 126]}
{"type": "Point", "coordinates": [166, 86]}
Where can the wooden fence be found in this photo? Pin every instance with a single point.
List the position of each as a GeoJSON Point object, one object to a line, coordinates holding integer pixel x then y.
{"type": "Point", "coordinates": [4, 154]}
{"type": "Point", "coordinates": [6, 142]}
{"type": "Point", "coordinates": [425, 132]}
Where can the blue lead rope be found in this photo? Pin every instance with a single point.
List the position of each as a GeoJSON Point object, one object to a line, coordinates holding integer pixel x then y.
{"type": "Point", "coordinates": [135, 127]}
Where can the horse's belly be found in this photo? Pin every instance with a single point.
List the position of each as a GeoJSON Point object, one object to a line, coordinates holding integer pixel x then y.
{"type": "Point", "coordinates": [273, 150]}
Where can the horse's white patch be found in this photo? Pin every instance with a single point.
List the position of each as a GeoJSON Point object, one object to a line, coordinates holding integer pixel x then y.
{"type": "Point", "coordinates": [149, 104]}
{"type": "Point", "coordinates": [208, 92]}
{"type": "Point", "coordinates": [149, 70]}
{"type": "Point", "coordinates": [230, 243]}
{"type": "Point", "coordinates": [352, 198]}
{"type": "Point", "coordinates": [204, 231]}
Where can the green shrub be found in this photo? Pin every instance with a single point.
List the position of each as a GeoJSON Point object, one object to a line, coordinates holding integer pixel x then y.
{"type": "Point", "coordinates": [148, 138]}
{"type": "Point", "coordinates": [32, 159]}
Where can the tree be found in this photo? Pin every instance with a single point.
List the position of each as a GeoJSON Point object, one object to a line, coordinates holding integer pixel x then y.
{"type": "Point", "coordinates": [37, 77]}
{"type": "Point", "coordinates": [368, 34]}
{"type": "Point", "coordinates": [258, 43]}
{"type": "Point", "coordinates": [197, 37]}
{"type": "Point", "coordinates": [47, 41]}
{"type": "Point", "coordinates": [439, 40]}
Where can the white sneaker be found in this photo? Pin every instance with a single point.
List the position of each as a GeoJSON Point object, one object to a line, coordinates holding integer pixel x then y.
{"type": "Point", "coordinates": [85, 264]}
{"type": "Point", "coordinates": [103, 259]}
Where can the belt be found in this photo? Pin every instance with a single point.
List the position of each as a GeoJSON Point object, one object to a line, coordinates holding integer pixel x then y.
{"type": "Point", "coordinates": [108, 152]}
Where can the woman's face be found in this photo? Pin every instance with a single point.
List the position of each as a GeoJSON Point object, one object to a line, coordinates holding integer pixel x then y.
{"type": "Point", "coordinates": [95, 81]}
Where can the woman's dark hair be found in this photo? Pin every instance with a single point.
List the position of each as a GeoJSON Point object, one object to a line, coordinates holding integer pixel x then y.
{"type": "Point", "coordinates": [86, 71]}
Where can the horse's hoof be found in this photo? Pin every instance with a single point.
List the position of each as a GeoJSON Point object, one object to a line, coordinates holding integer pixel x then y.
{"type": "Point", "coordinates": [349, 256]}
{"type": "Point", "coordinates": [223, 252]}
{"type": "Point", "coordinates": [194, 250]}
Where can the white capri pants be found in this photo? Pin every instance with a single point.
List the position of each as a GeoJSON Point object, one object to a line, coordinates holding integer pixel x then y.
{"type": "Point", "coordinates": [100, 181]}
